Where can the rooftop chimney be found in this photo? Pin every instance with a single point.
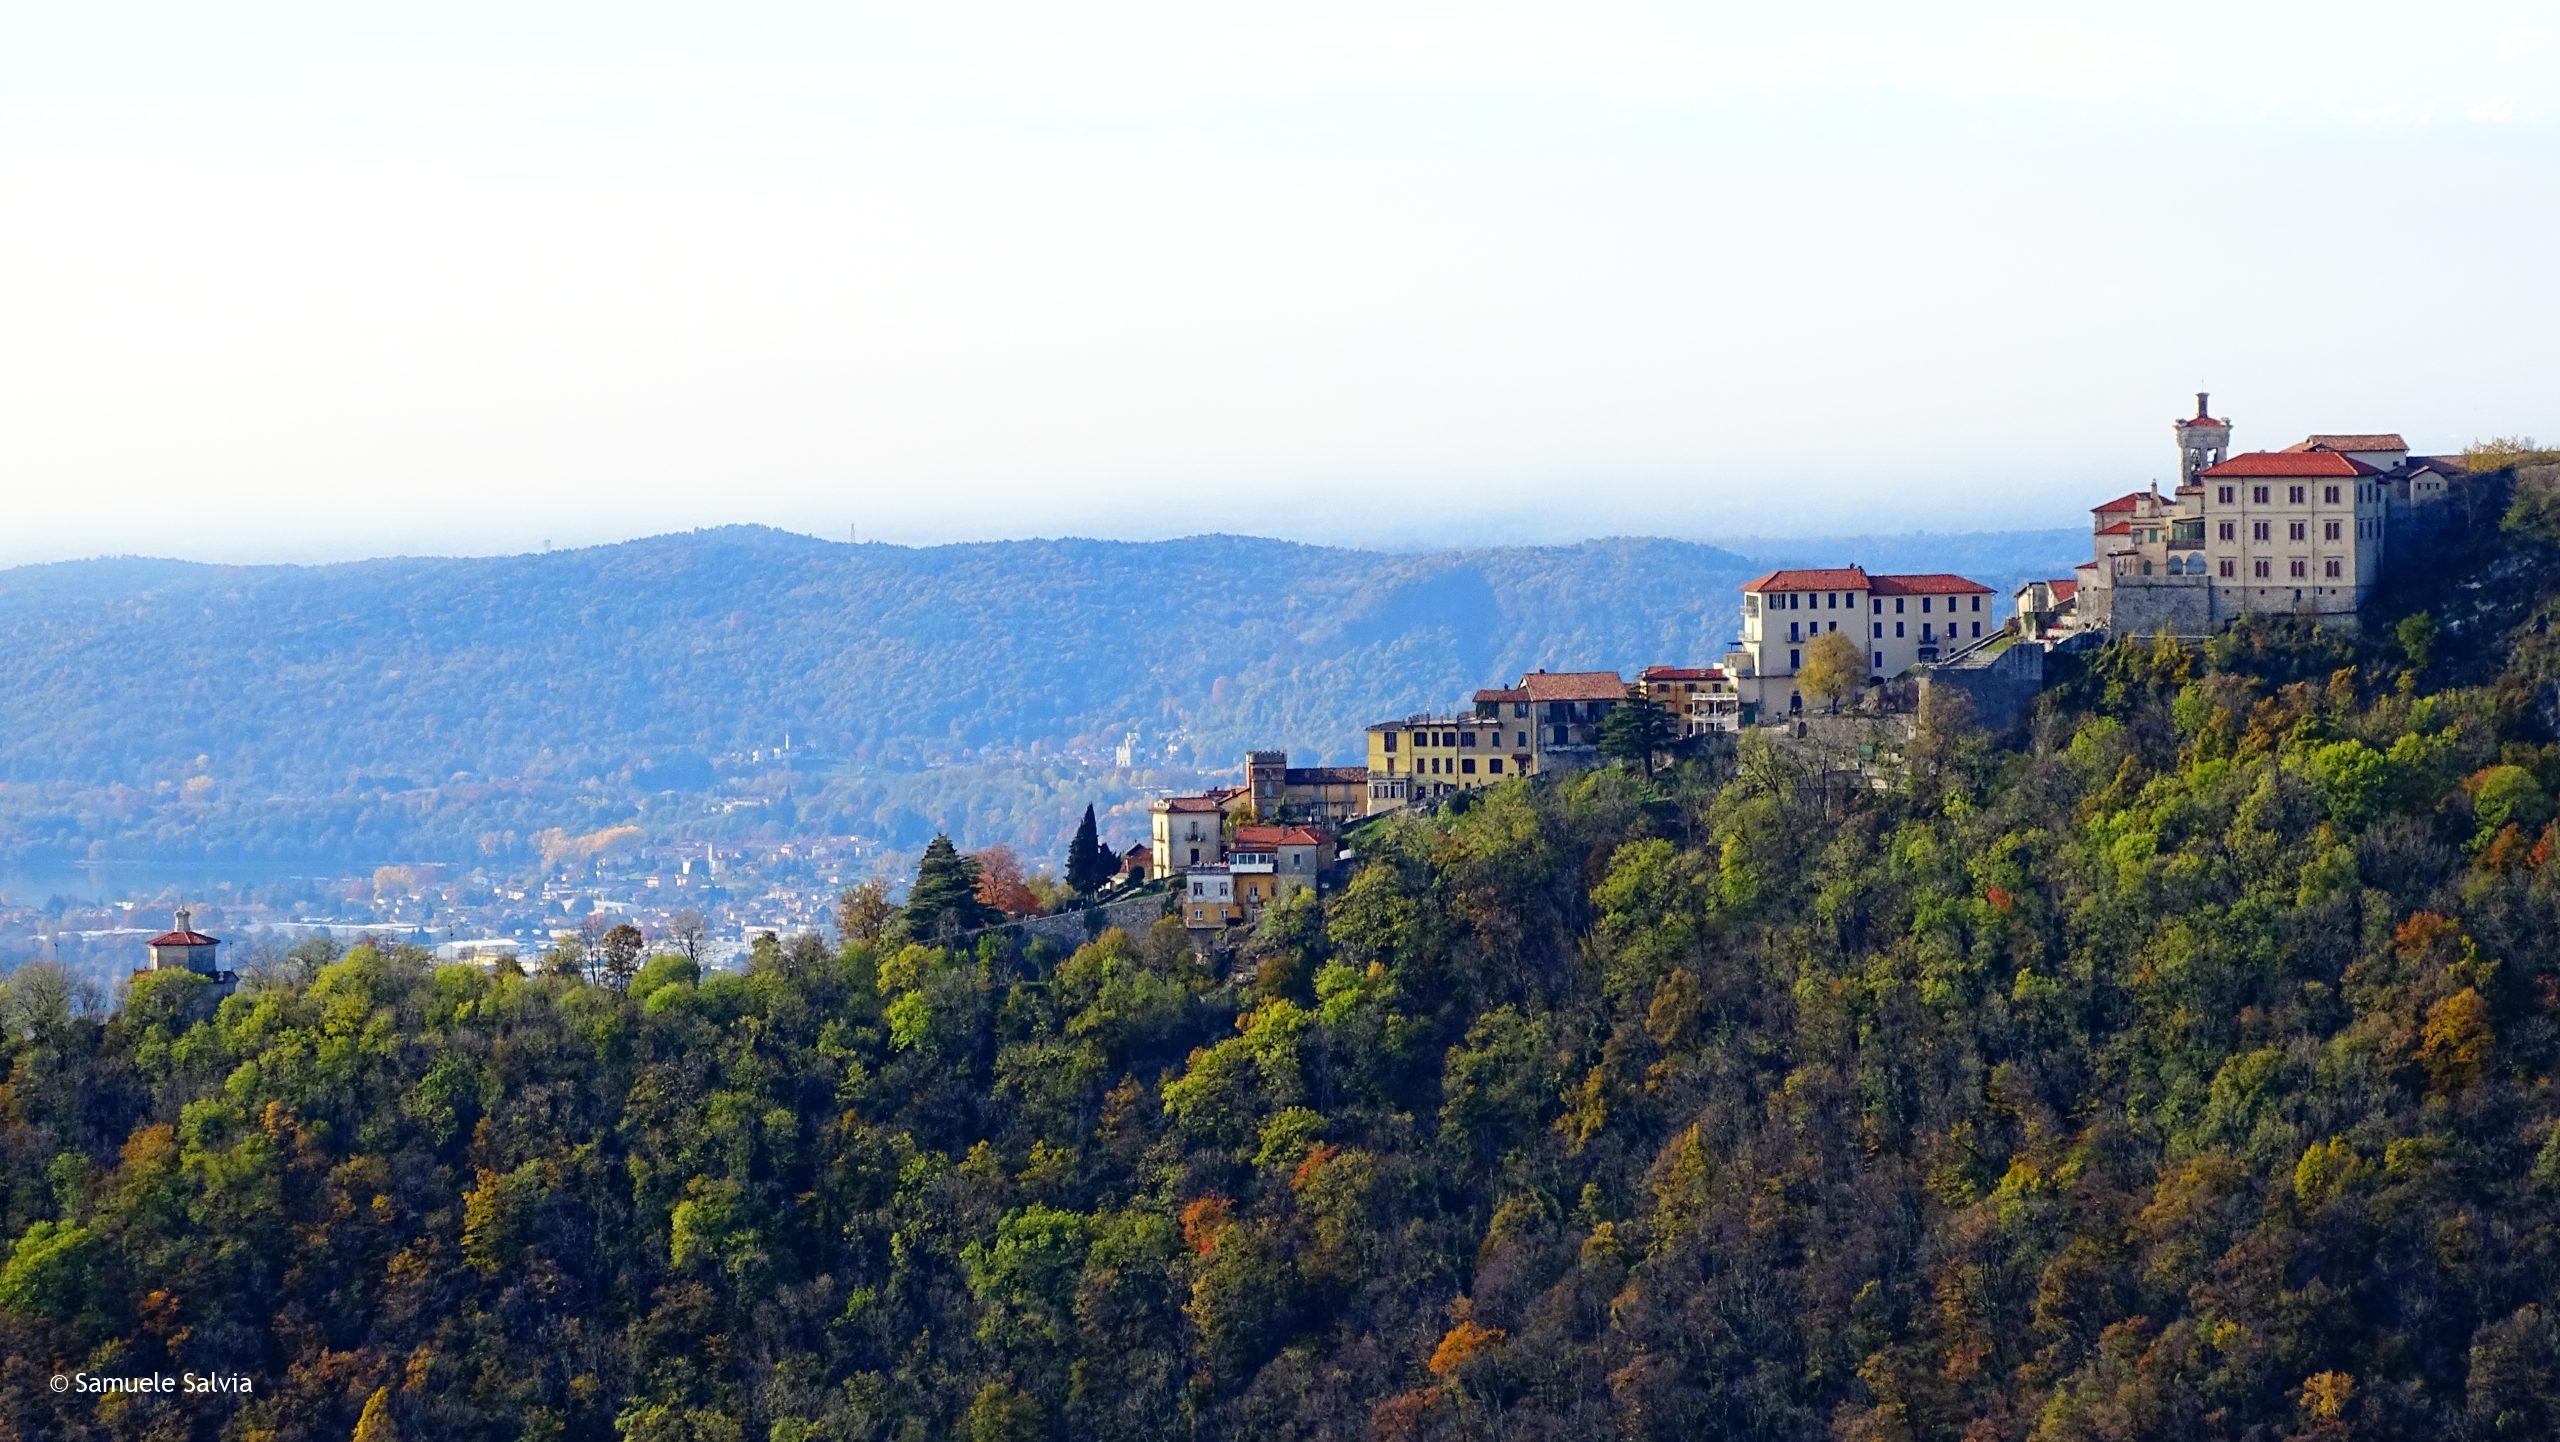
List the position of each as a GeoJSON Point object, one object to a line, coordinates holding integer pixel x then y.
{"type": "Point", "coordinates": [2201, 413]}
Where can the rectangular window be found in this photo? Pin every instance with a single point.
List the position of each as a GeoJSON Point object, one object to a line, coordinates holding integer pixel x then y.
{"type": "Point", "coordinates": [2226, 568]}
{"type": "Point", "coordinates": [2332, 568]}
{"type": "Point", "coordinates": [2293, 495]}
{"type": "Point", "coordinates": [2225, 495]}
{"type": "Point", "coordinates": [1879, 661]}
{"type": "Point", "coordinates": [1878, 603]}
{"type": "Point", "coordinates": [2301, 569]}
{"type": "Point", "coordinates": [1879, 630]}
{"type": "Point", "coordinates": [2296, 531]}
{"type": "Point", "coordinates": [1924, 603]}
{"type": "Point", "coordinates": [1897, 609]}
{"type": "Point", "coordinates": [2329, 494]}
{"type": "Point", "coordinates": [1467, 767]}
{"type": "Point", "coordinates": [1494, 765]}
{"type": "Point", "coordinates": [2258, 569]}
{"type": "Point", "coordinates": [1897, 628]}
{"type": "Point", "coordinates": [1794, 659]}
{"type": "Point", "coordinates": [1977, 628]}
{"type": "Point", "coordinates": [2257, 495]}
{"type": "Point", "coordinates": [2259, 530]}
{"type": "Point", "coordinates": [2227, 530]}
{"type": "Point", "coordinates": [1391, 741]}
{"type": "Point", "coordinates": [2329, 530]}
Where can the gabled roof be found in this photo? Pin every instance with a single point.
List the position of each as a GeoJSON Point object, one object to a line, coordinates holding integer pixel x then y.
{"type": "Point", "coordinates": [2204, 421]}
{"type": "Point", "coordinates": [2120, 528]}
{"type": "Point", "coordinates": [1843, 578]}
{"type": "Point", "coordinates": [1683, 673]}
{"type": "Point", "coordinates": [2125, 502]}
{"type": "Point", "coordinates": [2365, 441]}
{"type": "Point", "coordinates": [1187, 803]}
{"type": "Point", "coordinates": [184, 938]}
{"type": "Point", "coordinates": [1265, 837]}
{"type": "Point", "coordinates": [2438, 465]}
{"type": "Point", "coordinates": [2064, 590]}
{"type": "Point", "coordinates": [1502, 693]}
{"type": "Point", "coordinates": [1929, 583]}
{"type": "Point", "coordinates": [2291, 465]}
{"type": "Point", "coordinates": [1574, 686]}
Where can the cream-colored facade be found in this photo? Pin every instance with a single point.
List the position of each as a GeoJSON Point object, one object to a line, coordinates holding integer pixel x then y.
{"type": "Point", "coordinates": [1896, 621]}
{"type": "Point", "coordinates": [2293, 533]}
{"type": "Point", "coordinates": [1186, 831]}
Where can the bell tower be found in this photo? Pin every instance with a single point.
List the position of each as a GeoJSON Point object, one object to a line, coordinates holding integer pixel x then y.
{"type": "Point", "coordinates": [2202, 441]}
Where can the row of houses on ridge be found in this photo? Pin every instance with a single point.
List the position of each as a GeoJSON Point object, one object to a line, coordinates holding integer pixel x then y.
{"type": "Point", "coordinates": [2302, 531]}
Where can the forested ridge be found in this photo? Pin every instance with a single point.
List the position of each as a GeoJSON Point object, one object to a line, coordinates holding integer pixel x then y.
{"type": "Point", "coordinates": [2181, 1068]}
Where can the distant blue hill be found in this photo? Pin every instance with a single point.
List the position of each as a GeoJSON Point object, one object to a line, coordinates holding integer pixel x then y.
{"type": "Point", "coordinates": [451, 707]}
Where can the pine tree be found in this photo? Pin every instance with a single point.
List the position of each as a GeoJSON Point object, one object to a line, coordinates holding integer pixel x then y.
{"type": "Point", "coordinates": [945, 893]}
{"type": "Point", "coordinates": [1634, 730]}
{"type": "Point", "coordinates": [1089, 863]}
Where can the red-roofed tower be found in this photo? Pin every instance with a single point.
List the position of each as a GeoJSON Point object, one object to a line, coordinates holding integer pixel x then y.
{"type": "Point", "coordinates": [2202, 441]}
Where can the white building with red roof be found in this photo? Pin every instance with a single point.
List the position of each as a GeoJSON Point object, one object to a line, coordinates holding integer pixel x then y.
{"type": "Point", "coordinates": [1896, 622]}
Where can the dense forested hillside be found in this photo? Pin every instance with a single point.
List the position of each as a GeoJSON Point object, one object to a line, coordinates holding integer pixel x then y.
{"type": "Point", "coordinates": [2180, 1069]}
{"type": "Point", "coordinates": [449, 709]}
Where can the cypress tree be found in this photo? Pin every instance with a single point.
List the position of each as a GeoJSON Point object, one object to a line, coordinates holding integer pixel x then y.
{"type": "Point", "coordinates": [1089, 863]}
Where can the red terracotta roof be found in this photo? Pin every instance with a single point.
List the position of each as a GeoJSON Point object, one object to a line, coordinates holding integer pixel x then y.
{"type": "Point", "coordinates": [1502, 693]}
{"type": "Point", "coordinates": [2204, 421]}
{"type": "Point", "coordinates": [2125, 502]}
{"type": "Point", "coordinates": [2294, 465]}
{"type": "Point", "coordinates": [1845, 578]}
{"type": "Point", "coordinates": [1574, 686]}
{"type": "Point", "coordinates": [1683, 673]}
{"type": "Point", "coordinates": [184, 938]}
{"type": "Point", "coordinates": [1929, 583]}
{"type": "Point", "coordinates": [2086, 566]}
{"type": "Point", "coordinates": [2120, 528]}
{"type": "Point", "coordinates": [2366, 441]}
{"type": "Point", "coordinates": [1188, 803]}
{"type": "Point", "coordinates": [2065, 590]}
{"type": "Point", "coordinates": [1253, 837]}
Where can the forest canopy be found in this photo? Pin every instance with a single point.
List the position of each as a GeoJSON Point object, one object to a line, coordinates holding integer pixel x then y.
{"type": "Point", "coordinates": [2178, 1068]}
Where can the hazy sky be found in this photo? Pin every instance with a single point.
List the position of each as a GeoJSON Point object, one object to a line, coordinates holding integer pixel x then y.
{"type": "Point", "coordinates": [296, 280]}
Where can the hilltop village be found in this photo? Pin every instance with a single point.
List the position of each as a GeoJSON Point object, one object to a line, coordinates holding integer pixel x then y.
{"type": "Point", "coordinates": [2306, 531]}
